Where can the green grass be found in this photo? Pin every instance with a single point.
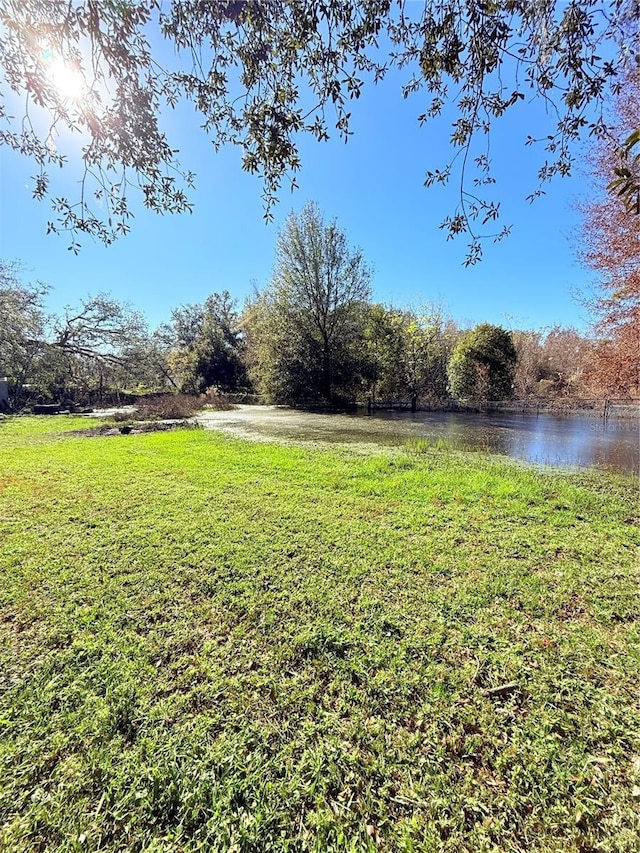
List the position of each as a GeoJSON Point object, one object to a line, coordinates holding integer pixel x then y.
{"type": "Point", "coordinates": [211, 645]}
{"type": "Point", "coordinates": [31, 430]}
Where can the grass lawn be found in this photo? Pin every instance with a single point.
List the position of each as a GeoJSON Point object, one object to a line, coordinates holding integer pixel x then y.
{"type": "Point", "coordinates": [216, 645]}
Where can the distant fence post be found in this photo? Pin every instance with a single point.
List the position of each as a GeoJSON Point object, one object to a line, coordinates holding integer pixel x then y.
{"type": "Point", "coordinates": [4, 393]}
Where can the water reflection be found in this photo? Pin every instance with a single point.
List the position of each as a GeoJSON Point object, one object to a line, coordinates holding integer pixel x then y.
{"type": "Point", "coordinates": [550, 439]}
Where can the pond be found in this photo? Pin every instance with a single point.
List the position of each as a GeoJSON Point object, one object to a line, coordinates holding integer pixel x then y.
{"type": "Point", "coordinates": [568, 441]}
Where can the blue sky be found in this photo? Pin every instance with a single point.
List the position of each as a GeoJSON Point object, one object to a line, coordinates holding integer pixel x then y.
{"type": "Point", "coordinates": [373, 186]}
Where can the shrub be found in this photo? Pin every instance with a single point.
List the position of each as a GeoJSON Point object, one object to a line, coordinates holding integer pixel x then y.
{"type": "Point", "coordinates": [214, 398]}
{"type": "Point", "coordinates": [483, 364]}
{"type": "Point", "coordinates": [169, 407]}
{"type": "Point", "coordinates": [159, 407]}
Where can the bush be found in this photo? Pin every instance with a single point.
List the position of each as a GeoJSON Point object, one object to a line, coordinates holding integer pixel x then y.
{"type": "Point", "coordinates": [213, 398]}
{"type": "Point", "coordinates": [169, 407]}
{"type": "Point", "coordinates": [483, 364]}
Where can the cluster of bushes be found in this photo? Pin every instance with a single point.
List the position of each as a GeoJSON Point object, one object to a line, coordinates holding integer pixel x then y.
{"type": "Point", "coordinates": [174, 406]}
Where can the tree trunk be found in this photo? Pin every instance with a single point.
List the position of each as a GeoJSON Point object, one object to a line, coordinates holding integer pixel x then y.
{"type": "Point", "coordinates": [325, 388]}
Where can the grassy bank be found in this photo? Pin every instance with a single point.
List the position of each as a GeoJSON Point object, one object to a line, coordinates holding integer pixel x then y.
{"type": "Point", "coordinates": [223, 646]}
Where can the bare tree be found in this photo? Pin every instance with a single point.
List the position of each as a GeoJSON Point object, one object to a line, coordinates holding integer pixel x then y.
{"type": "Point", "coordinates": [100, 328]}
{"type": "Point", "coordinates": [611, 247]}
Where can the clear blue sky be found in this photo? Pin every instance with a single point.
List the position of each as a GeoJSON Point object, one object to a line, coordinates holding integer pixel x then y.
{"type": "Point", "coordinates": [373, 186]}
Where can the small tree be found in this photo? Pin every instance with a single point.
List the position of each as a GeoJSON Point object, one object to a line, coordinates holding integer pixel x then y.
{"type": "Point", "coordinates": [483, 364]}
{"type": "Point", "coordinates": [552, 364]}
{"type": "Point", "coordinates": [530, 368]}
{"type": "Point", "coordinates": [425, 352]}
{"type": "Point", "coordinates": [565, 359]}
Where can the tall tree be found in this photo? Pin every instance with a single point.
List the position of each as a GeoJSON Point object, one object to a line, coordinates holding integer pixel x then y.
{"type": "Point", "coordinates": [552, 364]}
{"type": "Point", "coordinates": [565, 357]}
{"type": "Point", "coordinates": [382, 345]}
{"type": "Point", "coordinates": [99, 328]}
{"type": "Point", "coordinates": [22, 329]}
{"type": "Point", "coordinates": [611, 247]}
{"type": "Point", "coordinates": [309, 319]}
{"type": "Point", "coordinates": [85, 345]}
{"type": "Point", "coordinates": [204, 346]}
{"type": "Point", "coordinates": [253, 69]}
{"type": "Point", "coordinates": [406, 354]}
{"type": "Point", "coordinates": [427, 343]}
{"type": "Point", "coordinates": [483, 363]}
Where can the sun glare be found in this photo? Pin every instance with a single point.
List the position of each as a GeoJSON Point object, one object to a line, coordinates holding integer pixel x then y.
{"type": "Point", "coordinates": [68, 79]}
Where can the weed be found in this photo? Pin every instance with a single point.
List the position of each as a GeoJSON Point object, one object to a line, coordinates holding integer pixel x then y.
{"type": "Point", "coordinates": [423, 445]}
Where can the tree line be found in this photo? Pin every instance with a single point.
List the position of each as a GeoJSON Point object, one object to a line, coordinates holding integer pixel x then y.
{"type": "Point", "coordinates": [312, 335]}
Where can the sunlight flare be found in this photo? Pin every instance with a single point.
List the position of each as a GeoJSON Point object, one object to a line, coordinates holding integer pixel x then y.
{"type": "Point", "coordinates": [65, 75]}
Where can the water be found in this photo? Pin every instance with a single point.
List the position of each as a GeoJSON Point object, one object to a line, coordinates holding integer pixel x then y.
{"type": "Point", "coordinates": [567, 441]}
